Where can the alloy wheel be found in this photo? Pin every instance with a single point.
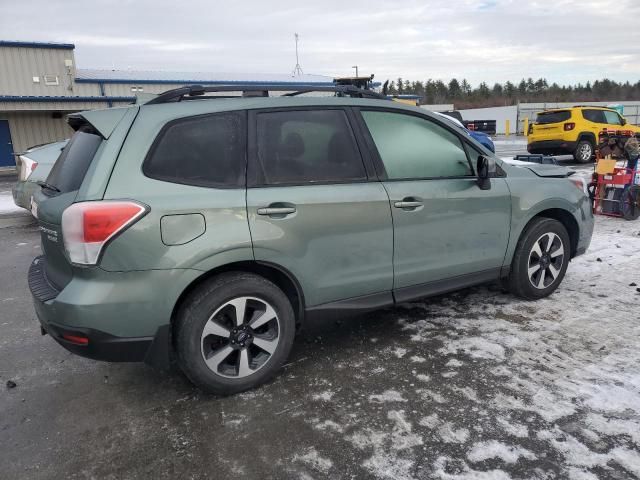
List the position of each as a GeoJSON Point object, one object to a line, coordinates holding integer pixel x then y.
{"type": "Point", "coordinates": [585, 152]}
{"type": "Point", "coordinates": [546, 259]}
{"type": "Point", "coordinates": [240, 337]}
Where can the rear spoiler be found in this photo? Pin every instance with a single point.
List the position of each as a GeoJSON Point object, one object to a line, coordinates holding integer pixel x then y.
{"type": "Point", "coordinates": [102, 121]}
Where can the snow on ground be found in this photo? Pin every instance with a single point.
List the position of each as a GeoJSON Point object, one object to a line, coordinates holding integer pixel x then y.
{"type": "Point", "coordinates": [6, 203]}
{"type": "Point", "coordinates": [546, 389]}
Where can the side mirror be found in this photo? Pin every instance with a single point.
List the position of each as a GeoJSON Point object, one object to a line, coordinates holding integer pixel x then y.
{"type": "Point", "coordinates": [482, 169]}
{"type": "Point", "coordinates": [624, 121]}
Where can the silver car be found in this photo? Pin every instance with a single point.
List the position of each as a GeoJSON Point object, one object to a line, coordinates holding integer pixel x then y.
{"type": "Point", "coordinates": [34, 166]}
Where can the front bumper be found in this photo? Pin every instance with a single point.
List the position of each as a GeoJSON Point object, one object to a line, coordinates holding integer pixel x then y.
{"type": "Point", "coordinates": [120, 314]}
{"type": "Point", "coordinates": [551, 147]}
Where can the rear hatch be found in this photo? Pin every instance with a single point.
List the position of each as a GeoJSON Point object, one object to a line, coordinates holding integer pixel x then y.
{"type": "Point", "coordinates": [549, 125]}
{"type": "Point", "coordinates": [58, 191]}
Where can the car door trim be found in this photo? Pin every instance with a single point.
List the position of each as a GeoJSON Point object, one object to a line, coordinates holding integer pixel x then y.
{"type": "Point", "coordinates": [438, 287]}
{"type": "Point", "coordinates": [376, 301]}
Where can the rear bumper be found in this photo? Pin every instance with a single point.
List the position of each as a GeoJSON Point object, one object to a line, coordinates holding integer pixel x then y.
{"type": "Point", "coordinates": [100, 345]}
{"type": "Point", "coordinates": [121, 316]}
{"type": "Point", "coordinates": [22, 192]}
{"type": "Point", "coordinates": [552, 147]}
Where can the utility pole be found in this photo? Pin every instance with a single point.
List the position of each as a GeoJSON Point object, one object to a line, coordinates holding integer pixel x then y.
{"type": "Point", "coordinates": [297, 70]}
{"type": "Point", "coordinates": [356, 67]}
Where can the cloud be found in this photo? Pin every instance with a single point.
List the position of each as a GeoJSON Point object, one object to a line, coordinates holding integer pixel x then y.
{"type": "Point", "coordinates": [481, 40]}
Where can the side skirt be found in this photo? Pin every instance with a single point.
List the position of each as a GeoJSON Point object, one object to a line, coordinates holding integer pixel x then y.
{"type": "Point", "coordinates": [366, 303]}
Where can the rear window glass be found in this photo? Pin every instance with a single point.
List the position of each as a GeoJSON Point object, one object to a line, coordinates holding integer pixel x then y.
{"type": "Point", "coordinates": [553, 117]}
{"type": "Point", "coordinates": [72, 164]}
{"type": "Point", "coordinates": [207, 151]}
{"type": "Point", "coordinates": [297, 147]}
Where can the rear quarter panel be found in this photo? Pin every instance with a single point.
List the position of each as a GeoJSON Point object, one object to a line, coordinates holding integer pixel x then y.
{"type": "Point", "coordinates": [226, 236]}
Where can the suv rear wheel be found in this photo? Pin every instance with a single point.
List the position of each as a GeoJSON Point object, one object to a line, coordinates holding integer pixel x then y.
{"type": "Point", "coordinates": [541, 259]}
{"type": "Point", "coordinates": [584, 151]}
{"type": "Point", "coordinates": [234, 332]}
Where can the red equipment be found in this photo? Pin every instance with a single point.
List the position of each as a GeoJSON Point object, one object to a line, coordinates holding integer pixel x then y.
{"type": "Point", "coordinates": [614, 189]}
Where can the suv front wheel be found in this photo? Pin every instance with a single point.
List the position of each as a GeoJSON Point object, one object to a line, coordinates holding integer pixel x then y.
{"type": "Point", "coordinates": [540, 260]}
{"type": "Point", "coordinates": [234, 332]}
{"type": "Point", "coordinates": [584, 151]}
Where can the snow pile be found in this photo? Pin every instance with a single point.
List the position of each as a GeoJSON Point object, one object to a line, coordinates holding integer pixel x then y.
{"type": "Point", "coordinates": [6, 203]}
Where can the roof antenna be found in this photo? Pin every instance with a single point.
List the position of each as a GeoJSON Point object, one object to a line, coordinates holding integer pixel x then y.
{"type": "Point", "coordinates": [297, 70]}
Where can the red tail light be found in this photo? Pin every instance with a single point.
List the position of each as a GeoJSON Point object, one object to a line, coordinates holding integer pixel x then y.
{"type": "Point", "coordinates": [27, 166]}
{"type": "Point", "coordinates": [569, 126]}
{"type": "Point", "coordinates": [87, 227]}
{"type": "Point", "coordinates": [78, 340]}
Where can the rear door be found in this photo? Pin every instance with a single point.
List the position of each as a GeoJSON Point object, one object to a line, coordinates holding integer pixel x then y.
{"type": "Point", "coordinates": [445, 227]}
{"type": "Point", "coordinates": [315, 208]}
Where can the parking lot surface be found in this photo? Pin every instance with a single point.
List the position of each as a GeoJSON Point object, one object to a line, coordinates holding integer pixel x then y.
{"type": "Point", "coordinates": [472, 385]}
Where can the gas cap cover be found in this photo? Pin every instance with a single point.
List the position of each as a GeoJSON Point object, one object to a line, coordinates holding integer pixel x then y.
{"type": "Point", "coordinates": [182, 228]}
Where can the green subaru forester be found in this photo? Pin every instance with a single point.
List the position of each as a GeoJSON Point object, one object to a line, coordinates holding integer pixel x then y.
{"type": "Point", "coordinates": [208, 229]}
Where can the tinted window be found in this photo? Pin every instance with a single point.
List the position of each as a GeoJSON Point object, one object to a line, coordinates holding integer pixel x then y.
{"type": "Point", "coordinates": [612, 118]}
{"type": "Point", "coordinates": [72, 164]}
{"type": "Point", "coordinates": [596, 116]}
{"type": "Point", "coordinates": [306, 147]}
{"type": "Point", "coordinates": [203, 151]}
{"type": "Point", "coordinates": [553, 117]}
{"type": "Point", "coordinates": [412, 147]}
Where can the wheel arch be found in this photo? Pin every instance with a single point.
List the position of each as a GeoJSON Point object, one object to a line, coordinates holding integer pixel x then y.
{"type": "Point", "coordinates": [277, 274]}
{"type": "Point", "coordinates": [590, 136]}
{"type": "Point", "coordinates": [567, 220]}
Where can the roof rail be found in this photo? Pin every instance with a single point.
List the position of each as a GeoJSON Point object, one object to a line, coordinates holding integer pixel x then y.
{"type": "Point", "coordinates": [191, 91]}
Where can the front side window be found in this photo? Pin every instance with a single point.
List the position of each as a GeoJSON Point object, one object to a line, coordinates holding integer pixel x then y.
{"type": "Point", "coordinates": [206, 151]}
{"type": "Point", "coordinates": [307, 146]}
{"type": "Point", "coordinates": [413, 147]}
{"type": "Point", "coordinates": [612, 118]}
{"type": "Point", "coordinates": [596, 116]}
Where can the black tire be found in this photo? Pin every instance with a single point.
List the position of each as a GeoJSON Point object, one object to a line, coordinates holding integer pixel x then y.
{"type": "Point", "coordinates": [196, 312]}
{"type": "Point", "coordinates": [539, 230]}
{"type": "Point", "coordinates": [630, 202]}
{"type": "Point", "coordinates": [584, 151]}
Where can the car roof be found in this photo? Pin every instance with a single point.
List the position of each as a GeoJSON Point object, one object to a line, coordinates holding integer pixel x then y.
{"type": "Point", "coordinates": [578, 107]}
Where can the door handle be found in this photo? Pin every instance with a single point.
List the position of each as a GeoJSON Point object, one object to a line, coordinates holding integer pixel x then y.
{"type": "Point", "coordinates": [276, 210]}
{"type": "Point", "coordinates": [409, 203]}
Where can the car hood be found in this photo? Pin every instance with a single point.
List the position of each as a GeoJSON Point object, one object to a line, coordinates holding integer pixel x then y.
{"type": "Point", "coordinates": [546, 170]}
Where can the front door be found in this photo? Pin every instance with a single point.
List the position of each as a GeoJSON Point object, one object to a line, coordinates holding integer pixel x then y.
{"type": "Point", "coordinates": [312, 209]}
{"type": "Point", "coordinates": [6, 147]}
{"type": "Point", "coordinates": [445, 228]}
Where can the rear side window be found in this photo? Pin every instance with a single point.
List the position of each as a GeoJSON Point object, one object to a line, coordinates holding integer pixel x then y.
{"type": "Point", "coordinates": [72, 164]}
{"type": "Point", "coordinates": [207, 151]}
{"type": "Point", "coordinates": [553, 117]}
{"type": "Point", "coordinates": [596, 116]}
{"type": "Point", "coordinates": [307, 146]}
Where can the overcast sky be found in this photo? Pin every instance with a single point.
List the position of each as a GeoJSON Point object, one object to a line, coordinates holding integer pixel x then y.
{"type": "Point", "coordinates": [492, 40]}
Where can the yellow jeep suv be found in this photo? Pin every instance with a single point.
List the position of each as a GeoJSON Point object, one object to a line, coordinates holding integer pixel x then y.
{"type": "Point", "coordinates": [573, 130]}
